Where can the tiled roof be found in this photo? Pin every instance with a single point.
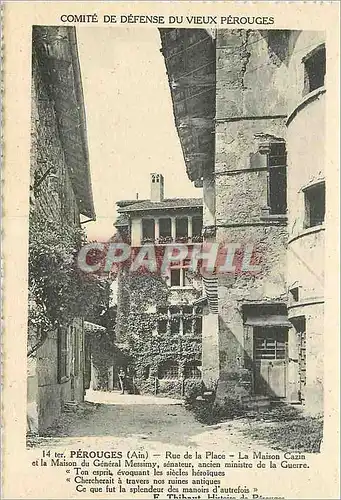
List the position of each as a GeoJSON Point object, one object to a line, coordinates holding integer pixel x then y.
{"type": "Point", "coordinates": [171, 203]}
{"type": "Point", "coordinates": [125, 203]}
{"type": "Point", "coordinates": [122, 220]}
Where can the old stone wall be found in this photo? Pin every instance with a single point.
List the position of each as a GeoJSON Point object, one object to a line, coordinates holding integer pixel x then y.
{"type": "Point", "coordinates": [306, 168]}
{"type": "Point", "coordinates": [52, 199]}
{"type": "Point", "coordinates": [262, 97]}
{"type": "Point", "coordinates": [251, 107]}
{"type": "Point", "coordinates": [140, 295]}
{"type": "Point", "coordinates": [210, 350]}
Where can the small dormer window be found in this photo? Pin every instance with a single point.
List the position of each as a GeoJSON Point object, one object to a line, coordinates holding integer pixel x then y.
{"type": "Point", "coordinates": [314, 69]}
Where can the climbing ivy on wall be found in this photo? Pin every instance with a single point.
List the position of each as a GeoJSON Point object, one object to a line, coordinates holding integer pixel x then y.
{"type": "Point", "coordinates": [141, 294]}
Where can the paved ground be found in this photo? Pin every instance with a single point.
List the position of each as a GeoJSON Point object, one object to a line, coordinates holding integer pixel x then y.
{"type": "Point", "coordinates": [112, 419]}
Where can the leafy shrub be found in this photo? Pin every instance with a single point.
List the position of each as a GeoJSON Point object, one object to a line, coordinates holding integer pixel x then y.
{"type": "Point", "coordinates": [58, 290]}
{"type": "Point", "coordinates": [304, 434]}
{"type": "Point", "coordinates": [193, 389]}
{"type": "Point", "coordinates": [230, 408]}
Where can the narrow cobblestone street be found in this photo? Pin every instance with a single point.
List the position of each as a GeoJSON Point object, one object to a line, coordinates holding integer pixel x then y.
{"type": "Point", "coordinates": [111, 420]}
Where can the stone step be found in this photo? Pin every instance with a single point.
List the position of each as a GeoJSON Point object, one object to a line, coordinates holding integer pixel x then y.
{"type": "Point", "coordinates": [255, 398]}
{"type": "Point", "coordinates": [70, 406]}
{"type": "Point", "coordinates": [257, 402]}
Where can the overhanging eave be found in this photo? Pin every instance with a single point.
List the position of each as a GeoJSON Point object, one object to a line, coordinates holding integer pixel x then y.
{"type": "Point", "coordinates": [190, 63]}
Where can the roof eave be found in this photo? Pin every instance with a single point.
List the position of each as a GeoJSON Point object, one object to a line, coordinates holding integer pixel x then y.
{"type": "Point", "coordinates": [82, 129]}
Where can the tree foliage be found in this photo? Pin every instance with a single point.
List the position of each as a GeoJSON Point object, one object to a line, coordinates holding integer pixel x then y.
{"type": "Point", "coordinates": [58, 290]}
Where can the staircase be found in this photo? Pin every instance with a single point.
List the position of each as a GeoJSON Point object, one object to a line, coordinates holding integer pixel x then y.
{"type": "Point", "coordinates": [250, 403]}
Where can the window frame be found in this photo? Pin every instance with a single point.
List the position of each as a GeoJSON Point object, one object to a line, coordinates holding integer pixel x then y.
{"type": "Point", "coordinates": [178, 236]}
{"type": "Point", "coordinates": [63, 354]}
{"type": "Point", "coordinates": [143, 236]}
{"type": "Point", "coordinates": [272, 169]}
{"type": "Point", "coordinates": [307, 192]}
{"type": "Point", "coordinates": [189, 369]}
{"type": "Point", "coordinates": [183, 269]}
{"type": "Point", "coordinates": [307, 60]}
{"type": "Point", "coordinates": [170, 227]}
{"type": "Point", "coordinates": [275, 345]}
{"type": "Point", "coordinates": [165, 367]}
{"type": "Point", "coordinates": [181, 315]}
{"type": "Point", "coordinates": [197, 220]}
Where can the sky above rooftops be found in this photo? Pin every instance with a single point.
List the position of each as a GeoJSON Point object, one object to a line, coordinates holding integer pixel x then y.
{"type": "Point", "coordinates": [130, 124]}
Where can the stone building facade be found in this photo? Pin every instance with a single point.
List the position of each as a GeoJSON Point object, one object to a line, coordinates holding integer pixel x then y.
{"type": "Point", "coordinates": [248, 106]}
{"type": "Point", "coordinates": [159, 318]}
{"type": "Point", "coordinates": [60, 191]}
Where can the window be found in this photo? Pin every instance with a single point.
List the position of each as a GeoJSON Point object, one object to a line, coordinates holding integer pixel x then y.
{"type": "Point", "coordinates": [178, 277]}
{"type": "Point", "coordinates": [148, 229]}
{"type": "Point", "coordinates": [169, 370]}
{"type": "Point", "coordinates": [277, 179]}
{"type": "Point", "coordinates": [179, 320]}
{"type": "Point", "coordinates": [175, 319]}
{"type": "Point", "coordinates": [165, 228]}
{"type": "Point", "coordinates": [270, 343]}
{"type": "Point", "coordinates": [181, 228]}
{"type": "Point", "coordinates": [77, 350]}
{"type": "Point", "coordinates": [187, 319]}
{"type": "Point", "coordinates": [294, 293]}
{"type": "Point", "coordinates": [314, 70]}
{"type": "Point", "coordinates": [198, 325]}
{"type": "Point", "coordinates": [175, 277]}
{"type": "Point", "coordinates": [162, 325]}
{"type": "Point", "coordinates": [314, 198]}
{"type": "Point", "coordinates": [196, 228]}
{"type": "Point", "coordinates": [300, 327]}
{"type": "Point", "coordinates": [63, 358]}
{"type": "Point", "coordinates": [192, 370]}
{"type": "Point", "coordinates": [162, 321]}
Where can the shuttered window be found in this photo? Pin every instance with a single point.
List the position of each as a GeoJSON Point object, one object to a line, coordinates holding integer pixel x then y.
{"type": "Point", "coordinates": [63, 358]}
{"type": "Point", "coordinates": [270, 343]}
{"type": "Point", "coordinates": [192, 370]}
{"type": "Point", "coordinates": [169, 370]}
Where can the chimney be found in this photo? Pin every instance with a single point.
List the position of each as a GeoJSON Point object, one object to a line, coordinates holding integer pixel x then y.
{"type": "Point", "coordinates": [156, 187]}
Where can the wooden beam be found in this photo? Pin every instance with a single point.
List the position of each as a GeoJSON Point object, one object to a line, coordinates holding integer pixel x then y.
{"type": "Point", "coordinates": [198, 156]}
{"type": "Point", "coordinates": [194, 81]}
{"type": "Point", "coordinates": [196, 122]}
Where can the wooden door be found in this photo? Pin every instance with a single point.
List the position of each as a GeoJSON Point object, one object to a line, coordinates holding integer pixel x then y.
{"type": "Point", "coordinates": [270, 361]}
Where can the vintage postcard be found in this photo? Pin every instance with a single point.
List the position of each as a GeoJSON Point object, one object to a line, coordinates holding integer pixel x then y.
{"type": "Point", "coordinates": [171, 250]}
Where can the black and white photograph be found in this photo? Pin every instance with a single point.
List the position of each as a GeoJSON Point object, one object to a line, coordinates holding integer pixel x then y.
{"type": "Point", "coordinates": [176, 258]}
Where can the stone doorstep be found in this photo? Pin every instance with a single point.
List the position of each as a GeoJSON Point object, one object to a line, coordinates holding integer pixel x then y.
{"type": "Point", "coordinates": [257, 402]}
{"type": "Point", "coordinates": [256, 406]}
{"type": "Point", "coordinates": [257, 397]}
